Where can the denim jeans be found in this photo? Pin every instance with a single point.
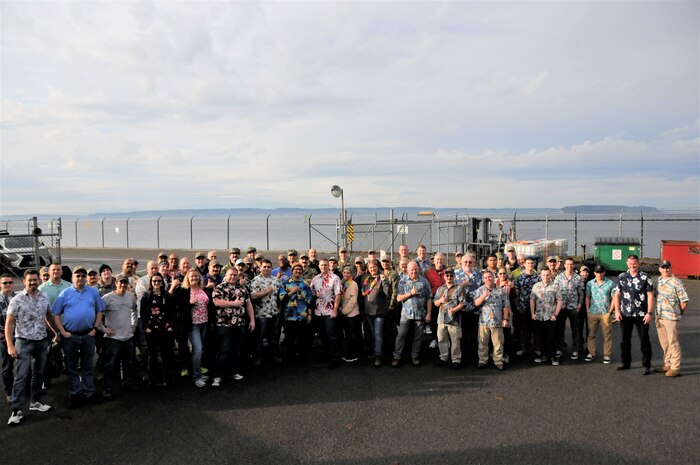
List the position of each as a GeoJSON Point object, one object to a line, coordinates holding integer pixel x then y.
{"type": "Point", "coordinates": [118, 353]}
{"type": "Point", "coordinates": [29, 354]}
{"type": "Point", "coordinates": [229, 340]}
{"type": "Point", "coordinates": [267, 327]}
{"type": "Point", "coordinates": [7, 369]}
{"type": "Point", "coordinates": [196, 339]}
{"type": "Point", "coordinates": [327, 329]}
{"type": "Point", "coordinates": [404, 327]}
{"type": "Point", "coordinates": [376, 328]}
{"type": "Point", "coordinates": [79, 351]}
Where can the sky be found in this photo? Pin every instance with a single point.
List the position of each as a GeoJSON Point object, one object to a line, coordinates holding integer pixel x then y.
{"type": "Point", "coordinates": [124, 106]}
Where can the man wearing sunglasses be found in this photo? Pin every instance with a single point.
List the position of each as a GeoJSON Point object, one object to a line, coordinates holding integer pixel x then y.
{"type": "Point", "coordinates": [77, 313]}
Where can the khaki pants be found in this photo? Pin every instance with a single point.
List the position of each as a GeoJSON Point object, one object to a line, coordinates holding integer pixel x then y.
{"type": "Point", "coordinates": [495, 335]}
{"type": "Point", "coordinates": [604, 322]}
{"type": "Point", "coordinates": [668, 337]}
{"type": "Point", "coordinates": [449, 341]}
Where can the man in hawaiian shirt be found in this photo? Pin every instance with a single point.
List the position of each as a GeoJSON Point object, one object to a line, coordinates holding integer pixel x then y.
{"type": "Point", "coordinates": [671, 303]}
{"type": "Point", "coordinates": [25, 332]}
{"type": "Point", "coordinates": [634, 306]}
{"type": "Point", "coordinates": [522, 319]}
{"type": "Point", "coordinates": [450, 298]}
{"type": "Point", "coordinates": [264, 290]}
{"type": "Point", "coordinates": [295, 298]}
{"type": "Point", "coordinates": [232, 302]}
{"type": "Point", "coordinates": [416, 298]}
{"type": "Point", "coordinates": [494, 311]}
{"type": "Point", "coordinates": [572, 292]}
{"type": "Point", "coordinates": [599, 304]}
{"type": "Point", "coordinates": [328, 292]}
{"type": "Point", "coordinates": [469, 279]}
{"type": "Point", "coordinates": [545, 304]}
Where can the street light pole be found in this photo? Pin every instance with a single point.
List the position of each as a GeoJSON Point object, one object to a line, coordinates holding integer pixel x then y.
{"type": "Point", "coordinates": [337, 191]}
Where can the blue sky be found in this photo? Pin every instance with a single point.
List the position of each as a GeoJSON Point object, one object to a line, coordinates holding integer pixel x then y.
{"type": "Point", "coordinates": [158, 105]}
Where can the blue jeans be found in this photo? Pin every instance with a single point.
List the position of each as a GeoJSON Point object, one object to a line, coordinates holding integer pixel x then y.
{"type": "Point", "coordinates": [196, 338]}
{"type": "Point", "coordinates": [29, 353]}
{"type": "Point", "coordinates": [229, 340]}
{"type": "Point", "coordinates": [118, 353]}
{"type": "Point", "coordinates": [376, 327]}
{"type": "Point", "coordinates": [79, 351]}
{"type": "Point", "coordinates": [267, 327]}
{"type": "Point", "coordinates": [327, 329]}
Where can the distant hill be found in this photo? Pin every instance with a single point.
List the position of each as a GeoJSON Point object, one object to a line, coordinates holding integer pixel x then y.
{"type": "Point", "coordinates": [607, 209]}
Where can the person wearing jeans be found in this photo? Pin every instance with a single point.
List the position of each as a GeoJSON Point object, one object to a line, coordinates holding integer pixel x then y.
{"type": "Point", "coordinates": [25, 333]}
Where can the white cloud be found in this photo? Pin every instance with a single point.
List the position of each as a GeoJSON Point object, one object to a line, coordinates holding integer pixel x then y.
{"type": "Point", "coordinates": [275, 102]}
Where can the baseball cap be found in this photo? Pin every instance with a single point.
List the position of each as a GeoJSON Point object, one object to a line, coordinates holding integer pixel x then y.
{"type": "Point", "coordinates": [665, 264]}
{"type": "Point", "coordinates": [599, 269]}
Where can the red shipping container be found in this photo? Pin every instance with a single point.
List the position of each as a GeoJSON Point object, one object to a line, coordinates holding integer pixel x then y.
{"type": "Point", "coordinates": [684, 257]}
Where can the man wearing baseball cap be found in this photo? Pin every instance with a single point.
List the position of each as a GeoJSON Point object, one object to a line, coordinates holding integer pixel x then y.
{"type": "Point", "coordinates": [671, 302]}
{"type": "Point", "coordinates": [599, 304]}
{"type": "Point", "coordinates": [77, 312]}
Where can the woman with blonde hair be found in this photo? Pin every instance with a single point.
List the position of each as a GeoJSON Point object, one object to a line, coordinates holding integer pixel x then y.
{"type": "Point", "coordinates": [194, 306]}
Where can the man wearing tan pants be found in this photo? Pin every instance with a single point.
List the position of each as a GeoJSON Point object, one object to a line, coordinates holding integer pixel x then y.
{"type": "Point", "coordinates": [599, 304]}
{"type": "Point", "coordinates": [671, 302]}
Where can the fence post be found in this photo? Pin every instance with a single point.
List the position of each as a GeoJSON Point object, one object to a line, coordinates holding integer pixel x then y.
{"type": "Point", "coordinates": [103, 233]}
{"type": "Point", "coordinates": [191, 236]}
{"type": "Point", "coordinates": [641, 234]}
{"type": "Point", "coordinates": [35, 242]}
{"type": "Point", "coordinates": [76, 231]}
{"type": "Point", "coordinates": [228, 233]}
{"type": "Point", "coordinates": [309, 222]}
{"type": "Point", "coordinates": [391, 231]}
{"type": "Point", "coordinates": [158, 232]}
{"type": "Point", "coordinates": [575, 233]}
{"type": "Point", "coordinates": [515, 220]}
{"type": "Point", "coordinates": [127, 232]}
{"type": "Point", "coordinates": [619, 233]}
{"type": "Point", "coordinates": [267, 230]}
{"type": "Point", "coordinates": [546, 225]}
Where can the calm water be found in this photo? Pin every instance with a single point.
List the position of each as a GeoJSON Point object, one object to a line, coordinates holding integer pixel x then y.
{"type": "Point", "coordinates": [294, 231]}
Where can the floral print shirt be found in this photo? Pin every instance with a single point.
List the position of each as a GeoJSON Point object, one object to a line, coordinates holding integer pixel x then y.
{"type": "Point", "coordinates": [633, 293]}
{"type": "Point", "coordinates": [545, 298]}
{"type": "Point", "coordinates": [669, 295]}
{"type": "Point", "coordinates": [325, 287]}
{"type": "Point", "coordinates": [295, 306]}
{"type": "Point", "coordinates": [265, 307]}
{"type": "Point", "coordinates": [601, 296]}
{"type": "Point", "coordinates": [492, 309]}
{"type": "Point", "coordinates": [470, 282]}
{"type": "Point", "coordinates": [231, 316]}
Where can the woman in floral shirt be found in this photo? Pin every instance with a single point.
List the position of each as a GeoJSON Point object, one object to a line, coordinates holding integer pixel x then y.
{"type": "Point", "coordinates": [194, 306]}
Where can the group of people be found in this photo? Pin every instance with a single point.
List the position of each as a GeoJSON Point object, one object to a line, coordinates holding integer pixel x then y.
{"type": "Point", "coordinates": [208, 320]}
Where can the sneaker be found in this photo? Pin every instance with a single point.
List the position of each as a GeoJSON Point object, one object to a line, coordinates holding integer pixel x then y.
{"type": "Point", "coordinates": [216, 382]}
{"type": "Point", "coordinates": [395, 363]}
{"type": "Point", "coordinates": [555, 362]}
{"type": "Point", "coordinates": [377, 361]}
{"type": "Point", "coordinates": [200, 383]}
{"type": "Point", "coordinates": [415, 361]}
{"type": "Point", "coordinates": [647, 371]}
{"type": "Point", "coordinates": [15, 418]}
{"type": "Point", "coordinates": [433, 344]}
{"type": "Point", "coordinates": [672, 373]}
{"type": "Point", "coordinates": [39, 407]}
{"type": "Point", "coordinates": [428, 330]}
{"type": "Point", "coordinates": [540, 359]}
{"type": "Point", "coordinates": [237, 377]}
{"type": "Point", "coordinates": [574, 355]}
{"type": "Point", "coordinates": [184, 372]}
{"type": "Point", "coordinates": [349, 359]}
{"type": "Point", "coordinates": [607, 360]}
{"type": "Point", "coordinates": [589, 358]}
{"type": "Point", "coordinates": [204, 370]}
{"type": "Point", "coordinates": [520, 353]}
{"type": "Point", "coordinates": [204, 378]}
{"type": "Point", "coordinates": [500, 367]}
{"type": "Point", "coordinates": [662, 369]}
{"type": "Point", "coordinates": [506, 358]}
{"type": "Point", "coordinates": [558, 354]}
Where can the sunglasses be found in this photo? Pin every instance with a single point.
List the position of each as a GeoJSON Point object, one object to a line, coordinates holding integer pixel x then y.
{"type": "Point", "coordinates": [6, 283]}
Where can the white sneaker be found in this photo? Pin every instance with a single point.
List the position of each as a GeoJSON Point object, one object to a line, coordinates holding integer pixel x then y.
{"type": "Point", "coordinates": [39, 407]}
{"type": "Point", "coordinates": [540, 359]}
{"type": "Point", "coordinates": [433, 344]}
{"type": "Point", "coordinates": [555, 362]}
{"type": "Point", "coordinates": [200, 383]}
{"type": "Point", "coordinates": [428, 330]}
{"type": "Point", "coordinates": [606, 360]}
{"type": "Point", "coordinates": [237, 377]}
{"type": "Point", "coordinates": [506, 358]}
{"type": "Point", "coordinates": [590, 358]}
{"type": "Point", "coordinates": [15, 418]}
{"type": "Point", "coordinates": [574, 355]}
{"type": "Point", "coordinates": [205, 378]}
{"type": "Point", "coordinates": [520, 353]}
{"type": "Point", "coordinates": [216, 382]}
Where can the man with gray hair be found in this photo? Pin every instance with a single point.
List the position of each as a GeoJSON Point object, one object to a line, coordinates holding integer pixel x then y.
{"type": "Point", "coordinates": [416, 298]}
{"type": "Point", "coordinates": [494, 311]}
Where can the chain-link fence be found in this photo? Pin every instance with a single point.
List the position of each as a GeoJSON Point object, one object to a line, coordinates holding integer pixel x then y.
{"type": "Point", "coordinates": [372, 230]}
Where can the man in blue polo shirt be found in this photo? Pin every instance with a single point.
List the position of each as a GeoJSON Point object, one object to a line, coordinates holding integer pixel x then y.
{"type": "Point", "coordinates": [77, 312]}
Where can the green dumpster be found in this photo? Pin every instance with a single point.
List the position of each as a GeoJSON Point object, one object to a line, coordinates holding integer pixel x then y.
{"type": "Point", "coordinates": [612, 252]}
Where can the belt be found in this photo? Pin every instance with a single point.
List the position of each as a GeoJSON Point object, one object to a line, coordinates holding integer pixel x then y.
{"type": "Point", "coordinates": [80, 333]}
